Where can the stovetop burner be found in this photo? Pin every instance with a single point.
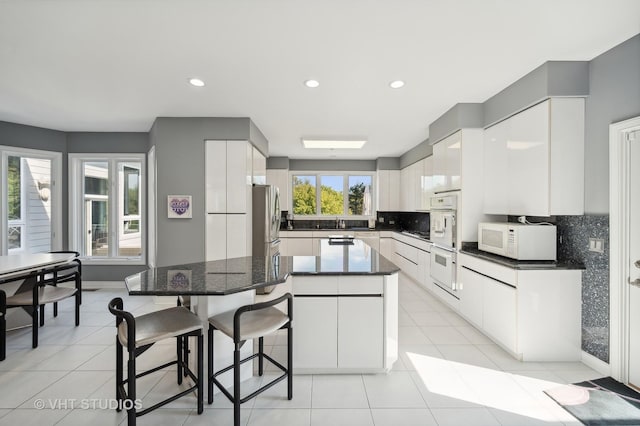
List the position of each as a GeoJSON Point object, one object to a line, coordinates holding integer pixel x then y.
{"type": "Point", "coordinates": [420, 234]}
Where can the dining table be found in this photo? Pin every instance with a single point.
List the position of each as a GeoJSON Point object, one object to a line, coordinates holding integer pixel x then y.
{"type": "Point", "coordinates": [14, 266]}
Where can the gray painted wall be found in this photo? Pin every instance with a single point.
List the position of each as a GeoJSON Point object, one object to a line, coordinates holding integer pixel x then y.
{"type": "Point", "coordinates": [417, 153]}
{"type": "Point", "coordinates": [614, 85]}
{"type": "Point", "coordinates": [180, 169]}
{"type": "Point", "coordinates": [107, 142]}
{"type": "Point", "coordinates": [388, 163]}
{"type": "Point", "coordinates": [553, 78]}
{"type": "Point", "coordinates": [278, 163]}
{"type": "Point", "coordinates": [333, 165]}
{"type": "Point", "coordinates": [460, 116]}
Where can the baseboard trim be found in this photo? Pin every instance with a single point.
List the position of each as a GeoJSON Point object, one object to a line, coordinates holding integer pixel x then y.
{"type": "Point", "coordinates": [596, 363]}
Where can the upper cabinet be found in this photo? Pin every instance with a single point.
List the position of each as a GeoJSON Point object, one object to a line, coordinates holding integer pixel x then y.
{"type": "Point", "coordinates": [411, 187]}
{"type": "Point", "coordinates": [388, 190]}
{"type": "Point", "coordinates": [280, 179]}
{"type": "Point", "coordinates": [534, 161]}
{"type": "Point", "coordinates": [259, 168]}
{"type": "Point", "coordinates": [447, 163]}
{"type": "Point", "coordinates": [426, 183]}
{"type": "Point", "coordinates": [228, 175]}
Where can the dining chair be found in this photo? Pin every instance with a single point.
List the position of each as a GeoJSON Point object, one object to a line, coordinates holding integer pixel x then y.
{"type": "Point", "coordinates": [136, 335]}
{"type": "Point", "coordinates": [251, 322]}
{"type": "Point", "coordinates": [69, 272]}
{"type": "Point", "coordinates": [25, 297]}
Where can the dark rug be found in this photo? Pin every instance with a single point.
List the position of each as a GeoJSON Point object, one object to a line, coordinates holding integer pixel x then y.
{"type": "Point", "coordinates": [602, 401]}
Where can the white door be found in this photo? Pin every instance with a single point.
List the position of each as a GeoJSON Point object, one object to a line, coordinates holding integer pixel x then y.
{"type": "Point", "coordinates": [634, 259]}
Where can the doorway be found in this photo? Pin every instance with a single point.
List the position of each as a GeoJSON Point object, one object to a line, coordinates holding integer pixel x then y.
{"type": "Point", "coordinates": [624, 196]}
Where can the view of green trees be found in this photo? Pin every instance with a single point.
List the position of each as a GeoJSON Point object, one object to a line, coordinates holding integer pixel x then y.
{"type": "Point", "coordinates": [331, 200]}
{"type": "Point", "coordinates": [356, 198]}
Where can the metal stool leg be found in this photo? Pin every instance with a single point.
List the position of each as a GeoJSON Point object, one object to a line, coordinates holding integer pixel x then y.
{"type": "Point", "coordinates": [210, 365]}
{"type": "Point", "coordinates": [236, 385]}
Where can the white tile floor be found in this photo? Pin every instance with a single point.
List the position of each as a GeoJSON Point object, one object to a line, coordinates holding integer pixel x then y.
{"type": "Point", "coordinates": [448, 374]}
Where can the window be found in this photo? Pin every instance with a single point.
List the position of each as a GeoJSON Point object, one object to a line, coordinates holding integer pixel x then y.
{"type": "Point", "coordinates": [340, 194]}
{"type": "Point", "coordinates": [29, 200]}
{"type": "Point", "coordinates": [15, 214]}
{"type": "Point", "coordinates": [107, 217]}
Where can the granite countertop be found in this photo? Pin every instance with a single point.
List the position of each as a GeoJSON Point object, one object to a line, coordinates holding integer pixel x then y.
{"type": "Point", "coordinates": [222, 277]}
{"type": "Point", "coordinates": [471, 249]}
{"type": "Point", "coordinates": [343, 259]}
{"type": "Point", "coordinates": [218, 277]}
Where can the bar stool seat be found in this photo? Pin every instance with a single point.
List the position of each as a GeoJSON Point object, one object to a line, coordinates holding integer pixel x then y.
{"type": "Point", "coordinates": [253, 324]}
{"type": "Point", "coordinates": [250, 322]}
{"type": "Point", "coordinates": [137, 334]}
{"type": "Point", "coordinates": [160, 325]}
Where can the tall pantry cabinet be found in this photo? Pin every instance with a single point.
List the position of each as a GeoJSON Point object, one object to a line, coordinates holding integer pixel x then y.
{"type": "Point", "coordinates": [228, 178]}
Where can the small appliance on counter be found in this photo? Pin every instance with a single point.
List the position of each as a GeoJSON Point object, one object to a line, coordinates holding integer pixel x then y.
{"type": "Point", "coordinates": [517, 240]}
{"type": "Point", "coordinates": [290, 221]}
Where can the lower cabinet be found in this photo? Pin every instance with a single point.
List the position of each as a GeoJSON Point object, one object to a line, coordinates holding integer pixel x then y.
{"type": "Point", "coordinates": [533, 314]}
{"type": "Point", "coordinates": [339, 323]}
{"type": "Point", "coordinates": [360, 332]}
{"type": "Point", "coordinates": [315, 344]}
{"type": "Point", "coordinates": [499, 312]}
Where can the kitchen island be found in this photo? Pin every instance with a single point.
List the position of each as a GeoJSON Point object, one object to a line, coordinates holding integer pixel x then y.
{"type": "Point", "coordinates": [345, 306]}
{"type": "Point", "coordinates": [345, 309]}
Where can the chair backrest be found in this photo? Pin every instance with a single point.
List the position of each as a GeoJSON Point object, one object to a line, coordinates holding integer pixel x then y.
{"type": "Point", "coordinates": [63, 273]}
{"type": "Point", "coordinates": [116, 308]}
{"type": "Point", "coordinates": [262, 305]}
{"type": "Point", "coordinates": [3, 303]}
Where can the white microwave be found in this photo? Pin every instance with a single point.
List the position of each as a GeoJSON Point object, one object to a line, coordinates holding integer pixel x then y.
{"type": "Point", "coordinates": [518, 241]}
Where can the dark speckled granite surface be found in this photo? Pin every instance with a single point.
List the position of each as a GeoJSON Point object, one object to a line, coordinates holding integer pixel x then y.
{"type": "Point", "coordinates": [222, 277]}
{"type": "Point", "coordinates": [471, 248]}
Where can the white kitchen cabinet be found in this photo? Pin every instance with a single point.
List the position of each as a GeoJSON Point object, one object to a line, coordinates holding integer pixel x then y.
{"type": "Point", "coordinates": [426, 184]}
{"type": "Point", "coordinates": [536, 159]}
{"type": "Point", "coordinates": [371, 238]}
{"type": "Point", "coordinates": [316, 332]}
{"type": "Point", "coordinates": [496, 193]}
{"type": "Point", "coordinates": [228, 172]}
{"type": "Point", "coordinates": [388, 190]}
{"type": "Point", "coordinates": [226, 236]}
{"type": "Point", "coordinates": [360, 332]}
{"type": "Point", "coordinates": [216, 176]}
{"type": "Point", "coordinates": [342, 322]}
{"type": "Point", "coordinates": [499, 318]}
{"type": "Point", "coordinates": [470, 289]}
{"type": "Point", "coordinates": [406, 203]}
{"type": "Point", "coordinates": [280, 178]}
{"type": "Point", "coordinates": [387, 247]}
{"type": "Point", "coordinates": [299, 247]}
{"type": "Point", "coordinates": [259, 168]}
{"type": "Point", "coordinates": [535, 314]}
{"type": "Point", "coordinates": [439, 178]}
{"type": "Point", "coordinates": [424, 268]}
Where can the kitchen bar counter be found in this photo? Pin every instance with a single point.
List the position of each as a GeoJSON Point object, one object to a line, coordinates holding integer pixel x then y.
{"type": "Point", "coordinates": [471, 249]}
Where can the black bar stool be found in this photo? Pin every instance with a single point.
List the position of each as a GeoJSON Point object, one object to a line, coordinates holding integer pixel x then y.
{"type": "Point", "coordinates": [138, 335]}
{"type": "Point", "coordinates": [3, 325]}
{"type": "Point", "coordinates": [245, 323]}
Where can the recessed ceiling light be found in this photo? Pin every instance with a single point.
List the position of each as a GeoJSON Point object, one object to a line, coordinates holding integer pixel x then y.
{"type": "Point", "coordinates": [396, 84]}
{"type": "Point", "coordinates": [332, 144]}
{"type": "Point", "coordinates": [196, 82]}
{"type": "Point", "coordinates": [312, 83]}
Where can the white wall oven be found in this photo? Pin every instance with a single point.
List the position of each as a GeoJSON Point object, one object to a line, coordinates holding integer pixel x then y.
{"type": "Point", "coordinates": [443, 237]}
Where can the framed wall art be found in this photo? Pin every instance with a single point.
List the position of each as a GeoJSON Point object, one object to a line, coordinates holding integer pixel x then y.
{"type": "Point", "coordinates": [179, 207]}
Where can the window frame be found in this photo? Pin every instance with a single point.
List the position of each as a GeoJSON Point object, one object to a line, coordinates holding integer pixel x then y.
{"type": "Point", "coordinates": [55, 194]}
{"type": "Point", "coordinates": [345, 191]}
{"type": "Point", "coordinates": [115, 210]}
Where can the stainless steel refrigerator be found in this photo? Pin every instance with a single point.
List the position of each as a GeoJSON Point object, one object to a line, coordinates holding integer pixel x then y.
{"type": "Point", "coordinates": [266, 220]}
{"type": "Point", "coordinates": [265, 239]}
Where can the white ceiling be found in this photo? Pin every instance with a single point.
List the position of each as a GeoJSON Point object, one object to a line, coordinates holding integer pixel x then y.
{"type": "Point", "coordinates": [88, 65]}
